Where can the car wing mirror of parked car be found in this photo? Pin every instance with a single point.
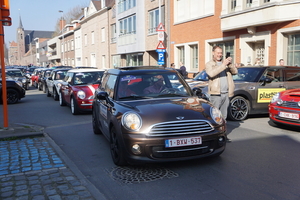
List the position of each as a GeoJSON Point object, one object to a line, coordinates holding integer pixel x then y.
{"type": "Point", "coordinates": [50, 78]}
{"type": "Point", "coordinates": [265, 80]}
{"type": "Point", "coordinates": [104, 96]}
{"type": "Point", "coordinates": [198, 92]}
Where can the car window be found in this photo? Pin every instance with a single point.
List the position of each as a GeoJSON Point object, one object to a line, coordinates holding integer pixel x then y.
{"type": "Point", "coordinates": [292, 75]}
{"type": "Point", "coordinates": [109, 87]}
{"type": "Point", "coordinates": [273, 74]}
{"type": "Point", "coordinates": [247, 74]}
{"type": "Point", "coordinates": [201, 76]}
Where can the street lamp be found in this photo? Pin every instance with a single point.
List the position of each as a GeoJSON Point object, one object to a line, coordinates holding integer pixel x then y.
{"type": "Point", "coordinates": [63, 40]}
{"type": "Point", "coordinates": [30, 48]}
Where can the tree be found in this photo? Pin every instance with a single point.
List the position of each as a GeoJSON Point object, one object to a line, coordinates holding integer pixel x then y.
{"type": "Point", "coordinates": [73, 14]}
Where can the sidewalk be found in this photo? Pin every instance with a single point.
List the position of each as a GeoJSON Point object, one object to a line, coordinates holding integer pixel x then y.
{"type": "Point", "coordinates": [33, 167]}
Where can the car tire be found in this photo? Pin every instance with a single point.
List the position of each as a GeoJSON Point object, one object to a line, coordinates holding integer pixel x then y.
{"type": "Point", "coordinates": [47, 92]}
{"type": "Point", "coordinates": [116, 149]}
{"type": "Point", "coordinates": [27, 87]}
{"type": "Point", "coordinates": [35, 84]}
{"type": "Point", "coordinates": [39, 86]}
{"type": "Point", "coordinates": [96, 129]}
{"type": "Point", "coordinates": [74, 106]}
{"type": "Point", "coordinates": [12, 96]}
{"type": "Point", "coordinates": [238, 109]}
{"type": "Point", "coordinates": [61, 99]}
{"type": "Point", "coordinates": [55, 94]}
{"type": "Point", "coordinates": [44, 88]}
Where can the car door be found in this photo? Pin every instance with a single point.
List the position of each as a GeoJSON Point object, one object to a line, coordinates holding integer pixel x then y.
{"type": "Point", "coordinates": [104, 107]}
{"type": "Point", "coordinates": [67, 86]}
{"type": "Point", "coordinates": [270, 83]}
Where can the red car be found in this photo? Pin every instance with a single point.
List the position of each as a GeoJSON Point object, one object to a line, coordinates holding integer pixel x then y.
{"type": "Point", "coordinates": [78, 88]}
{"type": "Point", "coordinates": [285, 107]}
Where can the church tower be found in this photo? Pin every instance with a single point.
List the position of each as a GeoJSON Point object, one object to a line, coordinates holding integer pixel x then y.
{"type": "Point", "coordinates": [20, 41]}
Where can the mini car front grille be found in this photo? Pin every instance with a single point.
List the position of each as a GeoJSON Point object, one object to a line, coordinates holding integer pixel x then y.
{"type": "Point", "coordinates": [186, 127]}
{"type": "Point", "coordinates": [290, 104]}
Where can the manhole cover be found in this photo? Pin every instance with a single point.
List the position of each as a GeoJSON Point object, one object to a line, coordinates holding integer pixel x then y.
{"type": "Point", "coordinates": [133, 174]}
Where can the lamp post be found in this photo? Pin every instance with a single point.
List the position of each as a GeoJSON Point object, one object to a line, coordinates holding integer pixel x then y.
{"type": "Point", "coordinates": [30, 47]}
{"type": "Point", "coordinates": [63, 40]}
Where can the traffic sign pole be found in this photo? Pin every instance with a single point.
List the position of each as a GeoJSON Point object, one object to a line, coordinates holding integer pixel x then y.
{"type": "Point", "coordinates": [5, 21]}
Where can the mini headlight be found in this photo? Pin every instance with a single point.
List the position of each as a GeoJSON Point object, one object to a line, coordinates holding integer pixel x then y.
{"type": "Point", "coordinates": [81, 94]}
{"type": "Point", "coordinates": [58, 85]}
{"type": "Point", "coordinates": [216, 115]}
{"type": "Point", "coordinates": [275, 97]}
{"type": "Point", "coordinates": [24, 80]}
{"type": "Point", "coordinates": [131, 121]}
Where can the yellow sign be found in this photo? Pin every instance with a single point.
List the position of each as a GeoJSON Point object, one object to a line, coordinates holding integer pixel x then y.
{"type": "Point", "coordinates": [265, 94]}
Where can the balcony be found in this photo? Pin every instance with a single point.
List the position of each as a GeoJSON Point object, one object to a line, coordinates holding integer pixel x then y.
{"type": "Point", "coordinates": [264, 14]}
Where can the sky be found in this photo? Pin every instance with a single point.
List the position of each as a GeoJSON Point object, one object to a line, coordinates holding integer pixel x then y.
{"type": "Point", "coordinates": [40, 15]}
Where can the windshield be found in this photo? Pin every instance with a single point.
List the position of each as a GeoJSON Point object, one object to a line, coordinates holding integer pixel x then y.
{"type": "Point", "coordinates": [87, 77]}
{"type": "Point", "coordinates": [201, 76]}
{"type": "Point", "coordinates": [140, 86]}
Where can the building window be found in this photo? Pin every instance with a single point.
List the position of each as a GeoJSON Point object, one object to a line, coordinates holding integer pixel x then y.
{"type": "Point", "coordinates": [154, 19]}
{"type": "Point", "coordinates": [233, 5]}
{"type": "Point", "coordinates": [93, 37]}
{"type": "Point", "coordinates": [72, 44]}
{"type": "Point", "coordinates": [181, 54]}
{"type": "Point", "coordinates": [248, 3]}
{"type": "Point", "coordinates": [113, 35]}
{"type": "Point", "coordinates": [194, 57]}
{"type": "Point", "coordinates": [124, 5]}
{"type": "Point", "coordinates": [293, 50]}
{"type": "Point", "coordinates": [134, 59]}
{"type": "Point", "coordinates": [266, 1]}
{"type": "Point", "coordinates": [128, 25]}
{"type": "Point", "coordinates": [103, 34]}
{"type": "Point", "coordinates": [85, 39]}
{"type": "Point", "coordinates": [226, 47]}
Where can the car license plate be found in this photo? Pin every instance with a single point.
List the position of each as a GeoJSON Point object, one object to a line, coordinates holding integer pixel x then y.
{"type": "Point", "coordinates": [288, 115]}
{"type": "Point", "coordinates": [180, 142]}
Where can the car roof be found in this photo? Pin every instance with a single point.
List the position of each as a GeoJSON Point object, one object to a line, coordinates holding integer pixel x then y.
{"type": "Point", "coordinates": [11, 69]}
{"type": "Point", "coordinates": [61, 69]}
{"type": "Point", "coordinates": [138, 69]}
{"type": "Point", "coordinates": [87, 70]}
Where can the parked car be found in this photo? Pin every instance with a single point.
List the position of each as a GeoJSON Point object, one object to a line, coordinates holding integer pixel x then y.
{"type": "Point", "coordinates": [284, 108]}
{"type": "Point", "coordinates": [45, 73]}
{"type": "Point", "coordinates": [171, 124]}
{"type": "Point", "coordinates": [78, 88]}
{"type": "Point", "coordinates": [14, 91]}
{"type": "Point", "coordinates": [54, 82]}
{"type": "Point", "coordinates": [255, 87]}
{"type": "Point", "coordinates": [18, 75]}
{"type": "Point", "coordinates": [35, 77]}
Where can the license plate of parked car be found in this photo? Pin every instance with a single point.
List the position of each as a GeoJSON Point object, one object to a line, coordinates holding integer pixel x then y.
{"type": "Point", "coordinates": [183, 142]}
{"type": "Point", "coordinates": [289, 115]}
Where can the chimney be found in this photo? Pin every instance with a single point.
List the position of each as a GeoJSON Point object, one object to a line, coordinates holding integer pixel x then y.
{"type": "Point", "coordinates": [62, 24]}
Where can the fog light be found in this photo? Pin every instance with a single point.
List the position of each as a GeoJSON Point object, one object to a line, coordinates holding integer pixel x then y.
{"type": "Point", "coordinates": [221, 141]}
{"type": "Point", "coordinates": [136, 149]}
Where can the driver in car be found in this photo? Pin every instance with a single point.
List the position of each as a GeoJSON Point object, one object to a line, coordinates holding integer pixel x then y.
{"type": "Point", "coordinates": [157, 85]}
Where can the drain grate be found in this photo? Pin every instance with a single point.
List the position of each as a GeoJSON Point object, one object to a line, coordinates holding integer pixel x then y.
{"type": "Point", "coordinates": [134, 174]}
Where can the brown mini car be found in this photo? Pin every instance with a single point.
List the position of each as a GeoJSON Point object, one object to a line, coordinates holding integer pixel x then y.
{"type": "Point", "coordinates": [150, 114]}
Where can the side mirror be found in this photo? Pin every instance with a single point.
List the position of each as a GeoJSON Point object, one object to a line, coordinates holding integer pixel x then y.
{"type": "Point", "coordinates": [50, 78]}
{"type": "Point", "coordinates": [104, 96]}
{"type": "Point", "coordinates": [198, 92]}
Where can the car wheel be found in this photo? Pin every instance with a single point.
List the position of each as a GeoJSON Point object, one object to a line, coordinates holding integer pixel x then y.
{"type": "Point", "coordinates": [48, 93]}
{"type": "Point", "coordinates": [55, 94]}
{"type": "Point", "coordinates": [96, 129]}
{"type": "Point", "coordinates": [44, 88]}
{"type": "Point", "coordinates": [39, 86]}
{"type": "Point", "coordinates": [35, 84]}
{"type": "Point", "coordinates": [27, 87]}
{"type": "Point", "coordinates": [61, 100]}
{"type": "Point", "coordinates": [238, 108]}
{"type": "Point", "coordinates": [116, 150]}
{"type": "Point", "coordinates": [12, 96]}
{"type": "Point", "coordinates": [74, 107]}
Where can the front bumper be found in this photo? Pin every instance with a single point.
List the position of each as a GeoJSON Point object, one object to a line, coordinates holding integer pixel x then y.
{"type": "Point", "coordinates": [274, 115]}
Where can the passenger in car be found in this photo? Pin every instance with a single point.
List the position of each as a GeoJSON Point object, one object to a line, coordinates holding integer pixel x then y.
{"type": "Point", "coordinates": [123, 90]}
{"type": "Point", "coordinates": [157, 85]}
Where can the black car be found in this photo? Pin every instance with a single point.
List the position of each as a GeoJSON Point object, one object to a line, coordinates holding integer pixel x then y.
{"type": "Point", "coordinates": [18, 75]}
{"type": "Point", "coordinates": [255, 87]}
{"type": "Point", "coordinates": [14, 90]}
{"type": "Point", "coordinates": [150, 114]}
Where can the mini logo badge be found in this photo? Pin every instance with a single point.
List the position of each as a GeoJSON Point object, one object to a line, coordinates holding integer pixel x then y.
{"type": "Point", "coordinates": [180, 118]}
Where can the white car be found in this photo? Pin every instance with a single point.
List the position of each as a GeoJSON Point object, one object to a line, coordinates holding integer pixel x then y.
{"type": "Point", "coordinates": [54, 82]}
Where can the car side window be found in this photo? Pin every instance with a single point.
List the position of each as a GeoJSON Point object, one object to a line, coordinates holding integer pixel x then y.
{"type": "Point", "coordinates": [292, 75]}
{"type": "Point", "coordinates": [109, 87]}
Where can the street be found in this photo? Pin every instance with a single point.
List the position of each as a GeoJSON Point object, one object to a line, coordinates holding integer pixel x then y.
{"type": "Point", "coordinates": [261, 162]}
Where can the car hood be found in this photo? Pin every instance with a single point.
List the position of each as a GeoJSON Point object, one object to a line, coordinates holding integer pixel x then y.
{"type": "Point", "coordinates": [164, 110]}
{"type": "Point", "coordinates": [293, 92]}
{"type": "Point", "coordinates": [88, 89]}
